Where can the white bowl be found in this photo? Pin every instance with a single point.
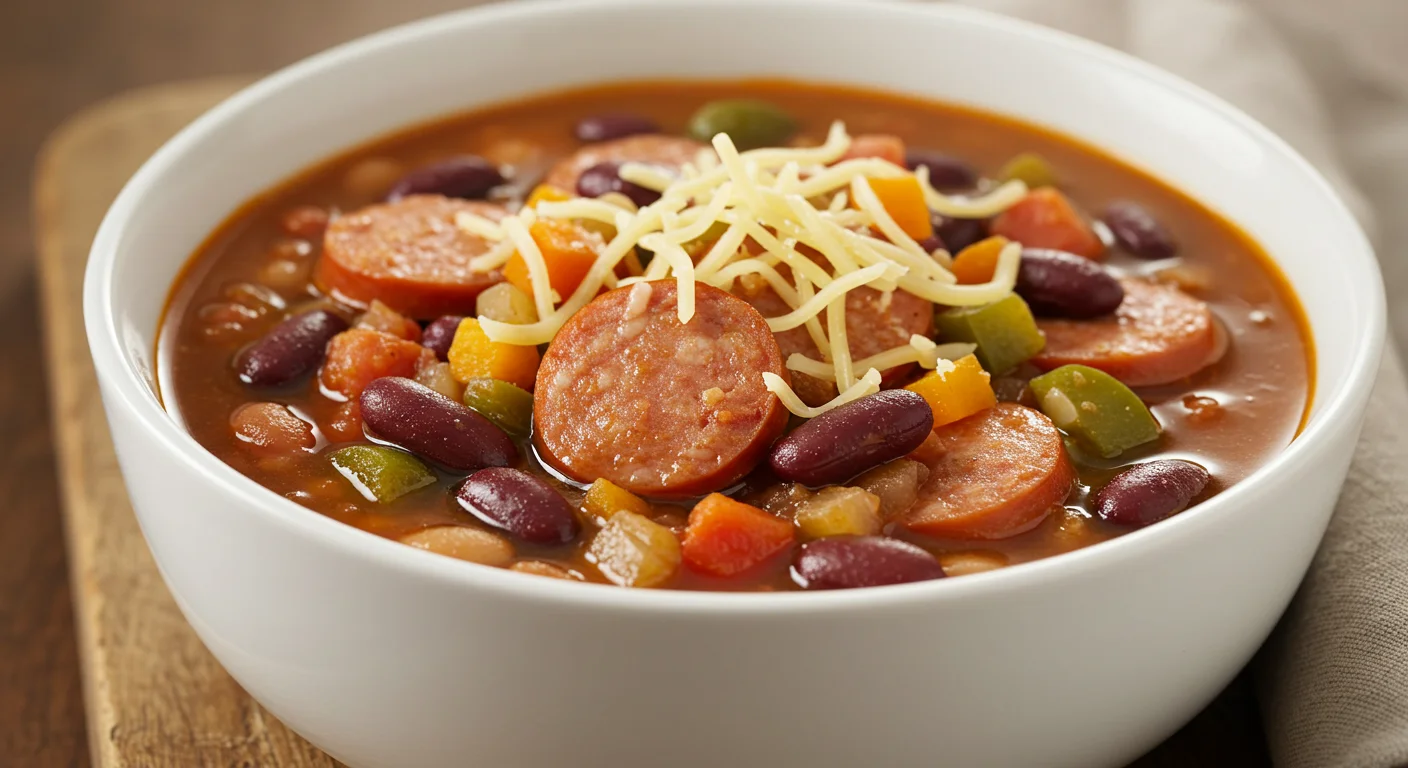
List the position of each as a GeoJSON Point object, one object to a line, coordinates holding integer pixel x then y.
{"type": "Point", "coordinates": [386, 656]}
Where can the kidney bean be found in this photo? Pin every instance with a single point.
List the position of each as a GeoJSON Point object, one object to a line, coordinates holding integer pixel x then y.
{"type": "Point", "coordinates": [933, 243]}
{"type": "Point", "coordinates": [958, 234]}
{"type": "Point", "coordinates": [1138, 232]}
{"type": "Point", "coordinates": [468, 176]}
{"type": "Point", "coordinates": [847, 562]}
{"type": "Point", "coordinates": [1060, 284]}
{"type": "Point", "coordinates": [605, 177]}
{"type": "Point", "coordinates": [613, 126]}
{"type": "Point", "coordinates": [415, 417]}
{"type": "Point", "coordinates": [290, 350]}
{"type": "Point", "coordinates": [438, 335]}
{"type": "Point", "coordinates": [519, 503]}
{"type": "Point", "coordinates": [1149, 492]}
{"type": "Point", "coordinates": [848, 440]}
{"type": "Point", "coordinates": [945, 171]}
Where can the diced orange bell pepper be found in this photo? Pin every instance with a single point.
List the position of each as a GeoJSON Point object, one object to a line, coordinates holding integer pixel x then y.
{"type": "Point", "coordinates": [473, 356]}
{"type": "Point", "coordinates": [977, 263]}
{"type": "Point", "coordinates": [903, 199]}
{"type": "Point", "coordinates": [1045, 218]}
{"type": "Point", "coordinates": [726, 537]}
{"type": "Point", "coordinates": [957, 394]}
{"type": "Point", "coordinates": [546, 193]}
{"type": "Point", "coordinates": [569, 250]}
{"type": "Point", "coordinates": [359, 356]}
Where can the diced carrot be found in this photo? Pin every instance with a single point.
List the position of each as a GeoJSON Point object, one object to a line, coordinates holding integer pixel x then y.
{"type": "Point", "coordinates": [1045, 218]}
{"type": "Point", "coordinates": [977, 263]}
{"type": "Point", "coordinates": [359, 356]}
{"type": "Point", "coordinates": [903, 199]}
{"type": "Point", "coordinates": [957, 394]}
{"type": "Point", "coordinates": [380, 317]}
{"type": "Point", "coordinates": [473, 356]}
{"type": "Point", "coordinates": [569, 250]}
{"type": "Point", "coordinates": [726, 537]}
{"type": "Point", "coordinates": [882, 146]}
{"type": "Point", "coordinates": [546, 193]}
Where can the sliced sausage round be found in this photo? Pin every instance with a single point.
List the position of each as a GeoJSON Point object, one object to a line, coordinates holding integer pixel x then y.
{"type": "Point", "coordinates": [627, 393]}
{"type": "Point", "coordinates": [874, 323]}
{"type": "Point", "coordinates": [409, 254]}
{"type": "Point", "coordinates": [669, 152]}
{"type": "Point", "coordinates": [1158, 335]}
{"type": "Point", "coordinates": [992, 475]}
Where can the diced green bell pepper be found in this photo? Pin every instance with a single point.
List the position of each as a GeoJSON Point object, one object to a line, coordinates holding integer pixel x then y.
{"type": "Point", "coordinates": [750, 123]}
{"type": "Point", "coordinates": [1095, 408]}
{"type": "Point", "coordinates": [508, 406]}
{"type": "Point", "coordinates": [1030, 168]}
{"type": "Point", "coordinates": [1005, 332]}
{"type": "Point", "coordinates": [379, 473]}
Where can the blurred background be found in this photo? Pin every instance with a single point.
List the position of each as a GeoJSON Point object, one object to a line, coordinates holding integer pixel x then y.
{"type": "Point", "coordinates": [56, 57]}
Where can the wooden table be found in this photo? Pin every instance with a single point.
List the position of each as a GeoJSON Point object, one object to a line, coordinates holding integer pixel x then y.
{"type": "Point", "coordinates": [154, 696]}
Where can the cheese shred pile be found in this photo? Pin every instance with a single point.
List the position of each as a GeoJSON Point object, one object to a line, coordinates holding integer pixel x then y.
{"type": "Point", "coordinates": [781, 199]}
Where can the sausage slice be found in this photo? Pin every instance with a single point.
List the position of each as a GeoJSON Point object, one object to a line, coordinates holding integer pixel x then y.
{"type": "Point", "coordinates": [992, 475]}
{"type": "Point", "coordinates": [1158, 335]}
{"type": "Point", "coordinates": [628, 393]}
{"type": "Point", "coordinates": [874, 323]}
{"type": "Point", "coordinates": [670, 152]}
{"type": "Point", "coordinates": [409, 254]}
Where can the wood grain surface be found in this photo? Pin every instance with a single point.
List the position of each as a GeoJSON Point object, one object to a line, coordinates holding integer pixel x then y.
{"type": "Point", "coordinates": [155, 697]}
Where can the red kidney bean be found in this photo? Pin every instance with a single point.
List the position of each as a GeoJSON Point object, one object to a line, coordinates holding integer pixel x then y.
{"type": "Point", "coordinates": [415, 417]}
{"type": "Point", "coordinates": [1138, 232]}
{"type": "Point", "coordinates": [847, 562]}
{"type": "Point", "coordinates": [519, 503]}
{"type": "Point", "coordinates": [848, 440]}
{"type": "Point", "coordinates": [468, 176]}
{"type": "Point", "coordinates": [1060, 284]}
{"type": "Point", "coordinates": [1149, 492]}
{"type": "Point", "coordinates": [439, 334]}
{"type": "Point", "coordinates": [958, 234]}
{"type": "Point", "coordinates": [933, 243]}
{"type": "Point", "coordinates": [290, 350]}
{"type": "Point", "coordinates": [613, 126]}
{"type": "Point", "coordinates": [946, 173]}
{"type": "Point", "coordinates": [606, 177]}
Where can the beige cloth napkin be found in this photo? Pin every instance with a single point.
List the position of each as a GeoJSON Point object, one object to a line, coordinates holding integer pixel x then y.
{"type": "Point", "coordinates": [1331, 76]}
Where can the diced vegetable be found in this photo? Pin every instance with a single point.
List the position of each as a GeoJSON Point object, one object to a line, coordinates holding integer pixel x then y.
{"type": "Point", "coordinates": [781, 500]}
{"type": "Point", "coordinates": [958, 393]}
{"type": "Point", "coordinates": [726, 537]}
{"type": "Point", "coordinates": [839, 511]}
{"type": "Point", "coordinates": [1095, 408]}
{"type": "Point", "coordinates": [633, 551]}
{"type": "Point", "coordinates": [699, 246]}
{"type": "Point", "coordinates": [380, 317]}
{"type": "Point", "coordinates": [509, 407]}
{"type": "Point", "coordinates": [605, 498]}
{"type": "Point", "coordinates": [437, 376]}
{"type": "Point", "coordinates": [903, 199]}
{"type": "Point", "coordinates": [379, 473]}
{"type": "Point", "coordinates": [896, 485]}
{"type": "Point", "coordinates": [750, 123]}
{"type": "Point", "coordinates": [546, 193]}
{"type": "Point", "coordinates": [1029, 168]}
{"type": "Point", "coordinates": [1045, 218]}
{"type": "Point", "coordinates": [569, 250]}
{"type": "Point", "coordinates": [474, 356]}
{"type": "Point", "coordinates": [1005, 332]}
{"type": "Point", "coordinates": [977, 263]}
{"type": "Point", "coordinates": [357, 357]}
{"type": "Point", "coordinates": [463, 543]}
{"type": "Point", "coordinates": [506, 303]}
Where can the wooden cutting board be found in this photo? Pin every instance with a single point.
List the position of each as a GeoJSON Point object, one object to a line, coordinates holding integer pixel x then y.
{"type": "Point", "coordinates": [155, 696]}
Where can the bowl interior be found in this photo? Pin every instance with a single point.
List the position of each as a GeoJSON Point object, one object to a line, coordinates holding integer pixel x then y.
{"type": "Point", "coordinates": [352, 94]}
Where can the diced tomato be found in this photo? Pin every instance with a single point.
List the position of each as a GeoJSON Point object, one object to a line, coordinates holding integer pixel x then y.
{"type": "Point", "coordinates": [380, 317]}
{"type": "Point", "coordinates": [1045, 218]}
{"type": "Point", "coordinates": [878, 145]}
{"type": "Point", "coordinates": [726, 537]}
{"type": "Point", "coordinates": [359, 356]}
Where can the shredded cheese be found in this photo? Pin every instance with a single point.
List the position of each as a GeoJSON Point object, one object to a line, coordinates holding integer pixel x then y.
{"type": "Point", "coordinates": [822, 232]}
